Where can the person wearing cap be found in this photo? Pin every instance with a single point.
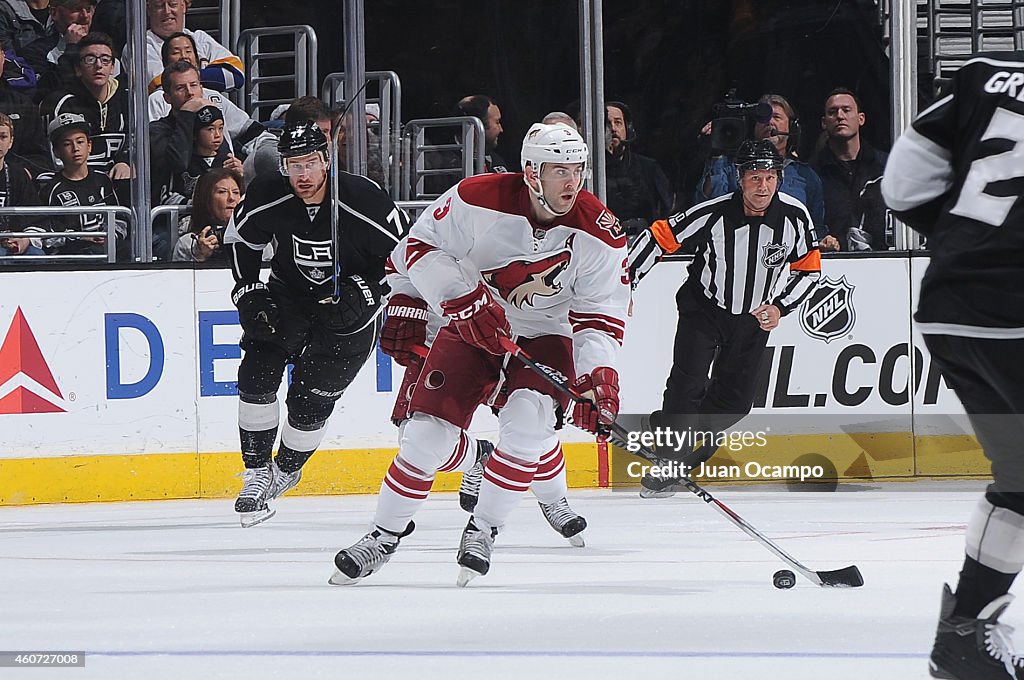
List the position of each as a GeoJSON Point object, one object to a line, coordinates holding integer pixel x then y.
{"type": "Point", "coordinates": [209, 150]}
{"type": "Point", "coordinates": [78, 185]}
{"type": "Point", "coordinates": [320, 310]}
{"type": "Point", "coordinates": [173, 137]}
{"type": "Point", "coordinates": [756, 259]}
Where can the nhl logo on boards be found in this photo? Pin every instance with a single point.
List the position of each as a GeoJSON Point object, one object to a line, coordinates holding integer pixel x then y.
{"type": "Point", "coordinates": [828, 313]}
{"type": "Point", "coordinates": [773, 255]}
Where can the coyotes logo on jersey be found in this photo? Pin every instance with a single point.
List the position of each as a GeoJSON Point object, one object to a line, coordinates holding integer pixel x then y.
{"type": "Point", "coordinates": [520, 281]}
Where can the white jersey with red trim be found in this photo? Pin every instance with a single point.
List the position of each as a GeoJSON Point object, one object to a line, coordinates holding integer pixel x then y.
{"type": "Point", "coordinates": [566, 278]}
{"type": "Point", "coordinates": [397, 276]}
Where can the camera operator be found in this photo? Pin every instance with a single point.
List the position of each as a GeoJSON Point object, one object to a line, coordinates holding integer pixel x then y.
{"type": "Point", "coordinates": [780, 127]}
{"type": "Point", "coordinates": [638, 190]}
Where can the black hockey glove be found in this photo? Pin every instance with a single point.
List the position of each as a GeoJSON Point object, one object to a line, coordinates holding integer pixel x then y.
{"type": "Point", "coordinates": [358, 304]}
{"type": "Point", "coordinates": [257, 311]}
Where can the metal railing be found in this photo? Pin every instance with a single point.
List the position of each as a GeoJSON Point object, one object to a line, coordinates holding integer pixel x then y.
{"type": "Point", "coordinates": [455, 160]}
{"type": "Point", "coordinates": [111, 214]}
{"type": "Point", "coordinates": [276, 70]}
{"type": "Point", "coordinates": [384, 89]}
{"type": "Point", "coordinates": [219, 18]}
{"type": "Point", "coordinates": [955, 29]}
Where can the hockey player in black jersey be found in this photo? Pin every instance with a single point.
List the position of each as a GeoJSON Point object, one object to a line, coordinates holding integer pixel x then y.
{"type": "Point", "coordinates": [286, 320]}
{"type": "Point", "coordinates": [957, 176]}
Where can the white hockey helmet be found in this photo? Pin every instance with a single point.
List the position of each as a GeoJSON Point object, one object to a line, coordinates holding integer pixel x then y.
{"type": "Point", "coordinates": [556, 143]}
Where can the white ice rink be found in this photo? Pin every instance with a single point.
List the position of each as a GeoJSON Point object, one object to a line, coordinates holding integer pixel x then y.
{"type": "Point", "coordinates": [177, 589]}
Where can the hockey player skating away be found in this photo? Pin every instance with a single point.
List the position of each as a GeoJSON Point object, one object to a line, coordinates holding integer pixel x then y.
{"type": "Point", "coordinates": [284, 320]}
{"type": "Point", "coordinates": [957, 176]}
{"type": "Point", "coordinates": [529, 256]}
{"type": "Point", "coordinates": [410, 325]}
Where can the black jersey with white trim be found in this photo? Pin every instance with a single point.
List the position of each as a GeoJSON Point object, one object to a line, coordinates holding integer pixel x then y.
{"type": "Point", "coordinates": [369, 227]}
{"type": "Point", "coordinates": [957, 175]}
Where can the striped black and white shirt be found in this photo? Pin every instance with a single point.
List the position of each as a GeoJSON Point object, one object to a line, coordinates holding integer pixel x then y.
{"type": "Point", "coordinates": [740, 260]}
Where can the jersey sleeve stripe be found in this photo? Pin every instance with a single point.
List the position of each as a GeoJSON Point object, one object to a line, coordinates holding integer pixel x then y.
{"type": "Point", "coordinates": [614, 332]}
{"type": "Point", "coordinates": [415, 251]}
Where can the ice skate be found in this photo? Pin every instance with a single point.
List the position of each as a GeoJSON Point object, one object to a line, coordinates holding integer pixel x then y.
{"type": "Point", "coordinates": [469, 489]}
{"type": "Point", "coordinates": [251, 504]}
{"type": "Point", "coordinates": [565, 521]}
{"type": "Point", "coordinates": [366, 556]}
{"type": "Point", "coordinates": [283, 481]}
{"type": "Point", "coordinates": [974, 649]}
{"type": "Point", "coordinates": [475, 551]}
{"type": "Point", "coordinates": [657, 487]}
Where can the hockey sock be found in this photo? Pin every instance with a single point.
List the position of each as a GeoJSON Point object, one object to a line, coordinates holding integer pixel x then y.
{"type": "Point", "coordinates": [257, 446]}
{"type": "Point", "coordinates": [463, 456]}
{"type": "Point", "coordinates": [549, 483]}
{"type": "Point", "coordinates": [297, 445]}
{"type": "Point", "coordinates": [505, 480]}
{"type": "Point", "coordinates": [978, 586]}
{"type": "Point", "coordinates": [403, 491]}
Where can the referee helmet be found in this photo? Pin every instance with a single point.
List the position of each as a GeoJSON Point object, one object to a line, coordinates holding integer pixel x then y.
{"type": "Point", "coordinates": [758, 154]}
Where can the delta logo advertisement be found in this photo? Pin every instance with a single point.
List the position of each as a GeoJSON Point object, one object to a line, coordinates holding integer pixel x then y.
{"type": "Point", "coordinates": [27, 384]}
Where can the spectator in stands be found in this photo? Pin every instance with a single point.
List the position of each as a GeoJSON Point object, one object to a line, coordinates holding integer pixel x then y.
{"type": "Point", "coordinates": [171, 137]}
{"type": "Point", "coordinates": [216, 195]}
{"type": "Point", "coordinates": [798, 178]}
{"type": "Point", "coordinates": [208, 151]}
{"type": "Point", "coordinates": [104, 102]}
{"type": "Point", "coordinates": [851, 175]}
{"type": "Point", "coordinates": [556, 117]}
{"type": "Point", "coordinates": [248, 139]}
{"type": "Point", "coordinates": [30, 147]}
{"type": "Point", "coordinates": [16, 189]}
{"type": "Point", "coordinates": [17, 73]}
{"type": "Point", "coordinates": [110, 19]}
{"type": "Point", "coordinates": [78, 185]}
{"type": "Point", "coordinates": [27, 28]}
{"type": "Point", "coordinates": [638, 191]}
{"type": "Point", "coordinates": [219, 69]}
{"type": "Point", "coordinates": [73, 21]}
{"type": "Point", "coordinates": [484, 108]}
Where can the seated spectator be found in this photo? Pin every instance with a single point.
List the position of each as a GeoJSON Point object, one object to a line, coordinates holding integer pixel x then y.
{"type": "Point", "coordinates": [78, 185]}
{"type": "Point", "coordinates": [104, 102]}
{"type": "Point", "coordinates": [30, 147]}
{"type": "Point", "coordinates": [249, 139]}
{"type": "Point", "coordinates": [73, 19]}
{"type": "Point", "coordinates": [17, 73]}
{"type": "Point", "coordinates": [638, 191]}
{"type": "Point", "coordinates": [27, 29]}
{"type": "Point", "coordinates": [219, 69]}
{"type": "Point", "coordinates": [798, 178]}
{"type": "Point", "coordinates": [216, 195]}
{"type": "Point", "coordinates": [16, 189]}
{"type": "Point", "coordinates": [851, 174]}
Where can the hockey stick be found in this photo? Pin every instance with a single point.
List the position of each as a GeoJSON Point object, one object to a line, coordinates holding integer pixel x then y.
{"type": "Point", "coordinates": [849, 577]}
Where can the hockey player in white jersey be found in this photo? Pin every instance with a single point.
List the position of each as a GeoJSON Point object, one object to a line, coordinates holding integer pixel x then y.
{"type": "Point", "coordinates": [531, 257]}
{"type": "Point", "coordinates": [410, 327]}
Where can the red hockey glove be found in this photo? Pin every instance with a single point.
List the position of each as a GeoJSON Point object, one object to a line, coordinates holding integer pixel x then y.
{"type": "Point", "coordinates": [478, 319]}
{"type": "Point", "coordinates": [601, 387]}
{"type": "Point", "coordinates": [405, 328]}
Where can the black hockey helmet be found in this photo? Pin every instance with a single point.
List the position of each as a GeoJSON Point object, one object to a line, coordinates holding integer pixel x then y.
{"type": "Point", "coordinates": [758, 154]}
{"type": "Point", "coordinates": [301, 139]}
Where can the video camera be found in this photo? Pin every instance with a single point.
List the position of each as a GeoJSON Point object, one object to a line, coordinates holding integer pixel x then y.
{"type": "Point", "coordinates": [733, 120]}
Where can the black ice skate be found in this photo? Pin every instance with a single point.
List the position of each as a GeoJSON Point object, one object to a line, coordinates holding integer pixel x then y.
{"type": "Point", "coordinates": [251, 504]}
{"type": "Point", "coordinates": [469, 489]}
{"type": "Point", "coordinates": [283, 481]}
{"type": "Point", "coordinates": [475, 551]}
{"type": "Point", "coordinates": [974, 649]}
{"type": "Point", "coordinates": [367, 555]}
{"type": "Point", "coordinates": [658, 487]}
{"type": "Point", "coordinates": [565, 521]}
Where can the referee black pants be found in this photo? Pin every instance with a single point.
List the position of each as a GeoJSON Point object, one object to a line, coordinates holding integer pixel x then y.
{"type": "Point", "coordinates": [988, 377]}
{"type": "Point", "coordinates": [706, 335]}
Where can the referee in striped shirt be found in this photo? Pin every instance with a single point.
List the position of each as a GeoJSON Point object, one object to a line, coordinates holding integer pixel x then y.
{"type": "Point", "coordinates": [756, 260]}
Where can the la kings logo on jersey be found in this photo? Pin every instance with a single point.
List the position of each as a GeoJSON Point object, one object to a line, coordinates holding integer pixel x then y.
{"type": "Point", "coordinates": [313, 259]}
{"type": "Point", "coordinates": [828, 312]}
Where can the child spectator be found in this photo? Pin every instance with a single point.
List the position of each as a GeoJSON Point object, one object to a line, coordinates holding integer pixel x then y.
{"type": "Point", "coordinates": [78, 185]}
{"type": "Point", "coordinates": [217, 193]}
{"type": "Point", "coordinates": [15, 189]}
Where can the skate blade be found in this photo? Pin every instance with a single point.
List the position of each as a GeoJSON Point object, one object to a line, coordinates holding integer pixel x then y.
{"type": "Point", "coordinates": [465, 576]}
{"type": "Point", "coordinates": [577, 541]}
{"type": "Point", "coordinates": [339, 579]}
{"type": "Point", "coordinates": [251, 519]}
{"type": "Point", "coordinates": [651, 493]}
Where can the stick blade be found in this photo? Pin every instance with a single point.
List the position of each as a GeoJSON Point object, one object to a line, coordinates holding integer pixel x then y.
{"type": "Point", "coordinates": [849, 577]}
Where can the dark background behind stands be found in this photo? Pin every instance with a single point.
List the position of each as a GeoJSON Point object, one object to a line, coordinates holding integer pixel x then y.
{"type": "Point", "coordinates": [670, 60]}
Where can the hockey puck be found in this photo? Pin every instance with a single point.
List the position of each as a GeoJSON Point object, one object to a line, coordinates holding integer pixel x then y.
{"type": "Point", "coordinates": [784, 579]}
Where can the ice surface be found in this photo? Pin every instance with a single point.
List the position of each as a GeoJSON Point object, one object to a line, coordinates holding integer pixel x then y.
{"type": "Point", "coordinates": [176, 589]}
